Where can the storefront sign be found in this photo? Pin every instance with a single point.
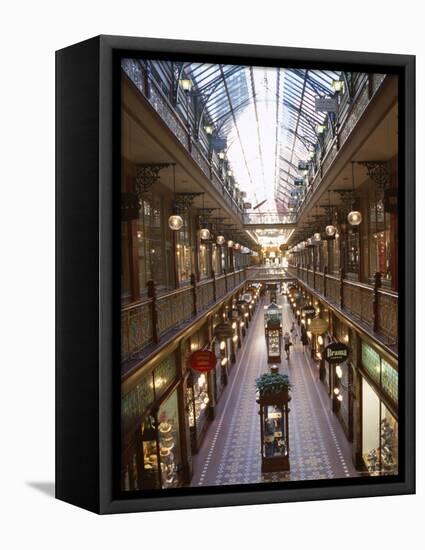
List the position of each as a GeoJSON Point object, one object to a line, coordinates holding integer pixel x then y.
{"type": "Point", "coordinates": [202, 361]}
{"type": "Point", "coordinates": [336, 353]}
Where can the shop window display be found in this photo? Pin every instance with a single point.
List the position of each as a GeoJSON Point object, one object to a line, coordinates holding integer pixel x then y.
{"type": "Point", "coordinates": [197, 400]}
{"type": "Point", "coordinates": [169, 442]}
{"type": "Point", "coordinates": [380, 435]}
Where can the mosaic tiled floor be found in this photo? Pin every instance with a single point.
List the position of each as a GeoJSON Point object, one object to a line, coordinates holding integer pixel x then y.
{"type": "Point", "coordinates": [230, 452]}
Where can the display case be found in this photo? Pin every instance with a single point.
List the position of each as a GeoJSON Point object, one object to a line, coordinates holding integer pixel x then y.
{"type": "Point", "coordinates": [197, 405]}
{"type": "Point", "coordinates": [274, 415]}
{"type": "Point", "coordinates": [274, 341]}
{"type": "Point", "coordinates": [273, 313]}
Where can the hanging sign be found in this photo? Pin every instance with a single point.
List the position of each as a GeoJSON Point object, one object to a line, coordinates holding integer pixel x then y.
{"type": "Point", "coordinates": [129, 207]}
{"type": "Point", "coordinates": [234, 313]}
{"type": "Point", "coordinates": [202, 361]}
{"type": "Point", "coordinates": [390, 200]}
{"type": "Point", "coordinates": [318, 326]}
{"type": "Point", "coordinates": [219, 144]}
{"type": "Point", "coordinates": [326, 104]}
{"type": "Point", "coordinates": [336, 353]}
{"type": "Point", "coordinates": [303, 165]}
{"type": "Point", "coordinates": [247, 297]}
{"type": "Point", "coordinates": [223, 330]}
{"type": "Point", "coordinates": [308, 311]}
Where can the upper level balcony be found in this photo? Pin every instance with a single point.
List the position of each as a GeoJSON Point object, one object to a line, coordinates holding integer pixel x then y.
{"type": "Point", "coordinates": [159, 94]}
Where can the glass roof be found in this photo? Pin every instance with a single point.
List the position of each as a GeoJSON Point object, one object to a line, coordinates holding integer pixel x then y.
{"type": "Point", "coordinates": [268, 117]}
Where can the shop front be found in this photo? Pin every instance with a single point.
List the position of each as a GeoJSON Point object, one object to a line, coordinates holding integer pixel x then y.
{"type": "Point", "coordinates": [199, 388]}
{"type": "Point", "coordinates": [342, 378]}
{"type": "Point", "coordinates": [152, 455]}
{"type": "Point", "coordinates": [379, 414]}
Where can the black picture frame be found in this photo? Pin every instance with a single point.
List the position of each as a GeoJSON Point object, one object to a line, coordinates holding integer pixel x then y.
{"type": "Point", "coordinates": [87, 323]}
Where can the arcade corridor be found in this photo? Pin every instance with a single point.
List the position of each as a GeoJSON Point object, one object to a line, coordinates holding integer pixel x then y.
{"type": "Point", "coordinates": [231, 454]}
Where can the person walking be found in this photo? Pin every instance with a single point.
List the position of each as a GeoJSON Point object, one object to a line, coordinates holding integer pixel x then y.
{"type": "Point", "coordinates": [304, 337]}
{"type": "Point", "coordinates": [294, 333]}
{"type": "Point", "coordinates": [287, 344]}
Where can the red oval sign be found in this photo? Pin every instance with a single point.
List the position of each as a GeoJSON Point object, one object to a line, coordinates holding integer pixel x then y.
{"type": "Point", "coordinates": [202, 361]}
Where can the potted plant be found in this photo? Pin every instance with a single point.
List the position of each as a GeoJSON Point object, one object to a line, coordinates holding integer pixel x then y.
{"type": "Point", "coordinates": [270, 385]}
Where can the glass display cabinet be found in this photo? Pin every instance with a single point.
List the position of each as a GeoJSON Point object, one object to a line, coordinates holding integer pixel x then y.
{"type": "Point", "coordinates": [274, 417]}
{"type": "Point", "coordinates": [274, 341]}
{"type": "Point", "coordinates": [272, 312]}
{"type": "Point", "coordinates": [154, 460]}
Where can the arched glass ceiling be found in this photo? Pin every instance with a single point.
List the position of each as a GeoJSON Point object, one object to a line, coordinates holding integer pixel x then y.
{"type": "Point", "coordinates": [268, 117]}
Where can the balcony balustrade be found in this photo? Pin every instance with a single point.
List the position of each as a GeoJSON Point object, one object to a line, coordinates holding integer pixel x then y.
{"type": "Point", "coordinates": [373, 306]}
{"type": "Point", "coordinates": [148, 321]}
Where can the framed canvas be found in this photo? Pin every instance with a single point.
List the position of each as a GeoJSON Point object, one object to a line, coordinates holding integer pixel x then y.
{"type": "Point", "coordinates": [235, 274]}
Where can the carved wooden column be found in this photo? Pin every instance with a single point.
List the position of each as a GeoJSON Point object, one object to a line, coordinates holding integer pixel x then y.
{"type": "Point", "coordinates": [154, 311]}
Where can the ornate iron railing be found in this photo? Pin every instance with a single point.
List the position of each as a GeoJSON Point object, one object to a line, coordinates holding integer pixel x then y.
{"type": "Point", "coordinates": [148, 321]}
{"type": "Point", "coordinates": [373, 306]}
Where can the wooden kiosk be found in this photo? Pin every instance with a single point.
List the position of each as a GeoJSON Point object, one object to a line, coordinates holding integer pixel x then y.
{"type": "Point", "coordinates": [274, 415]}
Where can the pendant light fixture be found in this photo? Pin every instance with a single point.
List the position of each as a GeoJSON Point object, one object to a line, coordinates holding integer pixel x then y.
{"type": "Point", "coordinates": [354, 217]}
{"type": "Point", "coordinates": [220, 239]}
{"type": "Point", "coordinates": [330, 229]}
{"type": "Point", "coordinates": [175, 222]}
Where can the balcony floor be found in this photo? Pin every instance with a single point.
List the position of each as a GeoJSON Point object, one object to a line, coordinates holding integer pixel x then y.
{"type": "Point", "coordinates": [230, 452]}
